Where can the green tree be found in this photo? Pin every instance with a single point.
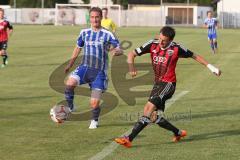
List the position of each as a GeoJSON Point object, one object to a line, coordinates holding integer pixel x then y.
{"type": "Point", "coordinates": [86, 1]}
{"type": "Point", "coordinates": [4, 2]}
{"type": "Point", "coordinates": [36, 3]}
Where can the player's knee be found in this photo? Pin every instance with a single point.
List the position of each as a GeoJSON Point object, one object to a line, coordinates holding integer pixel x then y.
{"type": "Point", "coordinates": [71, 82]}
{"type": "Point", "coordinates": [148, 109]}
{"type": "Point", "coordinates": [3, 52]}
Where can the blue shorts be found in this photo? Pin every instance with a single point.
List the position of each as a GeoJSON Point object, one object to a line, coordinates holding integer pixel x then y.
{"type": "Point", "coordinates": [212, 36]}
{"type": "Point", "coordinates": [97, 79]}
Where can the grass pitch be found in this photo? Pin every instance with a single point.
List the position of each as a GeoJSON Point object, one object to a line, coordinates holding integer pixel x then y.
{"type": "Point", "coordinates": [209, 112]}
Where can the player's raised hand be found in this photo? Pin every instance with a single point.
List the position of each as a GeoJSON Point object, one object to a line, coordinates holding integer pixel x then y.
{"type": "Point", "coordinates": [214, 70]}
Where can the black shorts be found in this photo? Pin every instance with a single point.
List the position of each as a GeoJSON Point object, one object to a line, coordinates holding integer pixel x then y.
{"type": "Point", "coordinates": [161, 92]}
{"type": "Point", "coordinates": [3, 45]}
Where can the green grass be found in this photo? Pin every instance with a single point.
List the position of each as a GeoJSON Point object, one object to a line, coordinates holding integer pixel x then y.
{"type": "Point", "coordinates": [25, 100]}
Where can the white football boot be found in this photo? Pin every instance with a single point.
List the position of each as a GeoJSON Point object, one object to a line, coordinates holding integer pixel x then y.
{"type": "Point", "coordinates": [73, 109]}
{"type": "Point", "coordinates": [93, 124]}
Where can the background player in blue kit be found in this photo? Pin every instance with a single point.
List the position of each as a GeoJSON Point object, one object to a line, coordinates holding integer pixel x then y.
{"type": "Point", "coordinates": [211, 24]}
{"type": "Point", "coordinates": [95, 42]}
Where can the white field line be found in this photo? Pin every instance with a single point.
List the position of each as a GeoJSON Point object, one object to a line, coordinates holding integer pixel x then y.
{"type": "Point", "coordinates": [112, 146]}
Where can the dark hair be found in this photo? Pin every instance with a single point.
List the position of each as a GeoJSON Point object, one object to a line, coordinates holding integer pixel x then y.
{"type": "Point", "coordinates": [168, 32]}
{"type": "Point", "coordinates": [96, 9]}
{"type": "Point", "coordinates": [104, 9]}
{"type": "Point", "coordinates": [1, 9]}
{"type": "Point", "coordinates": [209, 12]}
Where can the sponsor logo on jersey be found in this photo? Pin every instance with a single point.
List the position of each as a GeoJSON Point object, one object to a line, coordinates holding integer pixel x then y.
{"type": "Point", "coordinates": [159, 59]}
{"type": "Point", "coordinates": [101, 39]}
{"type": "Point", "coordinates": [170, 52]}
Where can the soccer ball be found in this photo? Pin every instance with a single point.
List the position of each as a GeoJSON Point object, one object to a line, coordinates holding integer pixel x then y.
{"type": "Point", "coordinates": [59, 113]}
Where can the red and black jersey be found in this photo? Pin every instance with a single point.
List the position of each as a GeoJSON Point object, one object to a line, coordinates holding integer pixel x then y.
{"type": "Point", "coordinates": [4, 26]}
{"type": "Point", "coordinates": [164, 61]}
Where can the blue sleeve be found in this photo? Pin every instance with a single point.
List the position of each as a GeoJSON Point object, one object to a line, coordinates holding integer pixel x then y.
{"type": "Point", "coordinates": [114, 41]}
{"type": "Point", "coordinates": [80, 40]}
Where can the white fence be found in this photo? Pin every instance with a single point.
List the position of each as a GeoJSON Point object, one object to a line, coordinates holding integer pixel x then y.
{"type": "Point", "coordinates": [30, 16]}
{"type": "Point", "coordinates": [78, 17]}
{"type": "Point", "coordinates": [229, 20]}
{"type": "Point", "coordinates": [128, 17]}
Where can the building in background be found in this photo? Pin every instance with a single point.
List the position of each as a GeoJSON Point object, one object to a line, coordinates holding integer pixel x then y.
{"type": "Point", "coordinates": [167, 13]}
{"type": "Point", "coordinates": [182, 14]}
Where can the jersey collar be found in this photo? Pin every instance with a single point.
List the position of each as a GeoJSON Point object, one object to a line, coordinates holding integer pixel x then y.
{"type": "Point", "coordinates": [167, 46]}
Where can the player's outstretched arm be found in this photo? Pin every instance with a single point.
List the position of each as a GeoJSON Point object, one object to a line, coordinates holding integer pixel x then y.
{"type": "Point", "coordinates": [132, 69]}
{"type": "Point", "coordinates": [212, 68]}
{"type": "Point", "coordinates": [75, 54]}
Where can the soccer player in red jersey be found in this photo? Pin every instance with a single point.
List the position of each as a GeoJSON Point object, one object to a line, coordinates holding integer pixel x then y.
{"type": "Point", "coordinates": [164, 55]}
{"type": "Point", "coordinates": [5, 31]}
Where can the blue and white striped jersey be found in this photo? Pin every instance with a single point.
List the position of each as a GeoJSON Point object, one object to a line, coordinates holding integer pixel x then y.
{"type": "Point", "coordinates": [212, 24]}
{"type": "Point", "coordinates": [96, 46]}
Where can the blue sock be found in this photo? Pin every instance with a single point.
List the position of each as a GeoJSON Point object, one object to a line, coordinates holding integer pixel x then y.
{"type": "Point", "coordinates": [69, 95]}
{"type": "Point", "coordinates": [96, 113]}
{"type": "Point", "coordinates": [212, 46]}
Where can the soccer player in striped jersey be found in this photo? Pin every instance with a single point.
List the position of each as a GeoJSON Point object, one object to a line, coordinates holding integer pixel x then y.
{"type": "Point", "coordinates": [95, 42]}
{"type": "Point", "coordinates": [5, 31]}
{"type": "Point", "coordinates": [211, 24]}
{"type": "Point", "coordinates": [164, 56]}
